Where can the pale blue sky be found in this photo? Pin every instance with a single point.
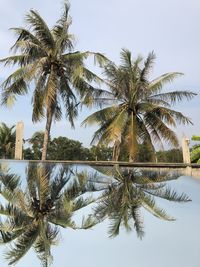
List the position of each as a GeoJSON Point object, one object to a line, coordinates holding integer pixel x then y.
{"type": "Point", "coordinates": [170, 28]}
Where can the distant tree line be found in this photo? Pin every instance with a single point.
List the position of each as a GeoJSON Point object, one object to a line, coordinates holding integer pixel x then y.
{"type": "Point", "coordinates": [63, 148]}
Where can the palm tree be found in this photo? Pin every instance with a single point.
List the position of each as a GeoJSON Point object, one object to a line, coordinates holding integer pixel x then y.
{"type": "Point", "coordinates": [47, 58]}
{"type": "Point", "coordinates": [129, 191]}
{"type": "Point", "coordinates": [7, 140]}
{"type": "Point", "coordinates": [35, 209]}
{"type": "Point", "coordinates": [195, 153]}
{"type": "Point", "coordinates": [139, 111]}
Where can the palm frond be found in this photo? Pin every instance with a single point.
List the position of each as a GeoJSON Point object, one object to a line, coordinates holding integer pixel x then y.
{"type": "Point", "coordinates": [57, 185]}
{"type": "Point", "coordinates": [14, 85]}
{"type": "Point", "coordinates": [10, 181]}
{"type": "Point", "coordinates": [88, 222]}
{"type": "Point", "coordinates": [138, 222]}
{"type": "Point", "coordinates": [147, 67]}
{"type": "Point", "coordinates": [174, 97]}
{"type": "Point", "coordinates": [159, 130]}
{"type": "Point", "coordinates": [63, 217]}
{"type": "Point", "coordinates": [149, 204]}
{"type": "Point", "coordinates": [126, 60]}
{"type": "Point", "coordinates": [22, 245]}
{"type": "Point", "coordinates": [40, 29]}
{"type": "Point", "coordinates": [64, 40]}
{"type": "Point", "coordinates": [7, 237]}
{"type": "Point", "coordinates": [115, 224]}
{"type": "Point", "coordinates": [167, 193]}
{"type": "Point", "coordinates": [50, 89]}
{"type": "Point", "coordinates": [38, 99]}
{"type": "Point", "coordinates": [82, 203]}
{"type": "Point", "coordinates": [100, 116]}
{"type": "Point", "coordinates": [28, 43]}
{"type": "Point", "coordinates": [157, 84]}
{"type": "Point", "coordinates": [16, 59]}
{"type": "Point", "coordinates": [110, 129]}
{"type": "Point", "coordinates": [43, 244]}
{"type": "Point", "coordinates": [99, 58]}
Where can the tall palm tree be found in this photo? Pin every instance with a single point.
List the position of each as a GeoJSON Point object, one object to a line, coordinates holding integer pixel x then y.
{"type": "Point", "coordinates": [139, 111]}
{"type": "Point", "coordinates": [7, 140]}
{"type": "Point", "coordinates": [47, 59]}
{"type": "Point", "coordinates": [129, 191]}
{"type": "Point", "coordinates": [35, 209]}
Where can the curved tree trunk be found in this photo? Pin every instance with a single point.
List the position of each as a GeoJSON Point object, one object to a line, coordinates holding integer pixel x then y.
{"type": "Point", "coordinates": [133, 144]}
{"type": "Point", "coordinates": [116, 150]}
{"type": "Point", "coordinates": [51, 99]}
{"type": "Point", "coordinates": [46, 134]}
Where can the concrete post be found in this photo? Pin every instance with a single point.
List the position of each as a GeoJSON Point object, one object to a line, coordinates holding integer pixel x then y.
{"type": "Point", "coordinates": [19, 140]}
{"type": "Point", "coordinates": [186, 150]}
{"type": "Point", "coordinates": [186, 155]}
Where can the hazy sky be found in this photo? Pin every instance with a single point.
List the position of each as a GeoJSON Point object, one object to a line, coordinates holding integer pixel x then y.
{"type": "Point", "coordinates": [170, 28]}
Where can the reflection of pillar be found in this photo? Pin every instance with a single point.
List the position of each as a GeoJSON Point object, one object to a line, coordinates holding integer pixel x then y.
{"type": "Point", "coordinates": [19, 140]}
{"type": "Point", "coordinates": [186, 150]}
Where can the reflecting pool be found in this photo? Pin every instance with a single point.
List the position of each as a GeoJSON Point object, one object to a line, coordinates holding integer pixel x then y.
{"type": "Point", "coordinates": [80, 215]}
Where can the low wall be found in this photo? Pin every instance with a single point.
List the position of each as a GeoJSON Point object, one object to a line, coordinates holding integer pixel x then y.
{"type": "Point", "coordinates": [180, 168]}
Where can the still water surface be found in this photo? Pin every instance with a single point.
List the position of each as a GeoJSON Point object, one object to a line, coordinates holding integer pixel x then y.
{"type": "Point", "coordinates": [165, 243]}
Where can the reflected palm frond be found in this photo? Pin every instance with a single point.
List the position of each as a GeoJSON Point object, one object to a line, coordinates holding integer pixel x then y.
{"type": "Point", "coordinates": [130, 190]}
{"type": "Point", "coordinates": [32, 212]}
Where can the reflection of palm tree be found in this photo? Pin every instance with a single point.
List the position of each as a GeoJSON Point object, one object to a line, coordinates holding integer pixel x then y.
{"type": "Point", "coordinates": [142, 112]}
{"type": "Point", "coordinates": [7, 140]}
{"type": "Point", "coordinates": [33, 215]}
{"type": "Point", "coordinates": [130, 190]}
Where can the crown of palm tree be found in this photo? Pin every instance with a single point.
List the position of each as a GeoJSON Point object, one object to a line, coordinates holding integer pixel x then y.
{"type": "Point", "coordinates": [47, 59]}
{"type": "Point", "coordinates": [140, 112]}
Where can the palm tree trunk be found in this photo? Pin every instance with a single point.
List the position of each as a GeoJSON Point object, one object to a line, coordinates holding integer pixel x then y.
{"type": "Point", "coordinates": [52, 84]}
{"type": "Point", "coordinates": [133, 149]}
{"type": "Point", "coordinates": [47, 133]}
{"type": "Point", "coordinates": [116, 151]}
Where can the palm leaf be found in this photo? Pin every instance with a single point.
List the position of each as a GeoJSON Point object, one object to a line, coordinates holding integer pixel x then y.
{"type": "Point", "coordinates": [174, 97]}
{"type": "Point", "coordinates": [22, 245]}
{"type": "Point", "coordinates": [114, 226]}
{"type": "Point", "coordinates": [157, 84]}
{"type": "Point", "coordinates": [27, 43]}
{"type": "Point", "coordinates": [40, 29]}
{"type": "Point", "coordinates": [138, 222]}
{"type": "Point", "coordinates": [167, 193]}
{"type": "Point", "coordinates": [149, 204]}
{"type": "Point", "coordinates": [147, 67]}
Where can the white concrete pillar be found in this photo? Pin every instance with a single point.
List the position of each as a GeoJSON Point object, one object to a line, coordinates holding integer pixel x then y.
{"type": "Point", "coordinates": [19, 140]}
{"type": "Point", "coordinates": [186, 150]}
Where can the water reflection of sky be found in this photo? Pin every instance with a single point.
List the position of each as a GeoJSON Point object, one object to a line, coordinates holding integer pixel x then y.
{"type": "Point", "coordinates": [165, 243]}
